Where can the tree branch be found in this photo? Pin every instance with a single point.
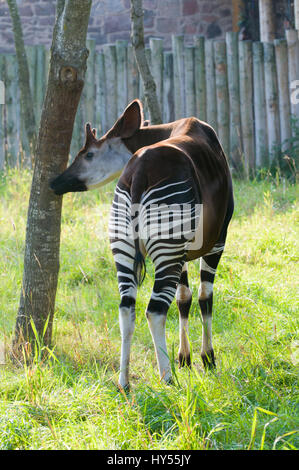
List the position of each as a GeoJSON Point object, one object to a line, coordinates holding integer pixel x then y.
{"type": "Point", "coordinates": [137, 37]}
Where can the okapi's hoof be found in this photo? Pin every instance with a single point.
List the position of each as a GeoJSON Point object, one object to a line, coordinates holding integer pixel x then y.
{"type": "Point", "coordinates": [184, 361]}
{"type": "Point", "coordinates": [169, 381]}
{"type": "Point", "coordinates": [208, 360]}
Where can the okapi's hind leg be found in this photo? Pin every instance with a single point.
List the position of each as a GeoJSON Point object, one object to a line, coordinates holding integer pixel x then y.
{"type": "Point", "coordinates": [127, 325]}
{"type": "Point", "coordinates": [123, 250]}
{"type": "Point", "coordinates": [208, 266]}
{"type": "Point", "coordinates": [167, 276]}
{"type": "Point", "coordinates": [184, 300]}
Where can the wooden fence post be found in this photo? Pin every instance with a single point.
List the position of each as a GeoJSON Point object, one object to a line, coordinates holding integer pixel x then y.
{"type": "Point", "coordinates": [156, 47]}
{"type": "Point", "coordinates": [293, 53]}
{"type": "Point", "coordinates": [111, 89]}
{"type": "Point", "coordinates": [200, 78]}
{"type": "Point", "coordinates": [47, 65]}
{"type": "Point", "coordinates": [260, 114]}
{"type": "Point", "coordinates": [2, 123]}
{"type": "Point", "coordinates": [121, 75]}
{"type": "Point", "coordinates": [133, 75]}
{"type": "Point", "coordinates": [235, 141]}
{"type": "Point", "coordinates": [190, 82]}
{"type": "Point", "coordinates": [281, 52]}
{"type": "Point", "coordinates": [267, 20]}
{"type": "Point", "coordinates": [168, 96]}
{"type": "Point", "coordinates": [39, 90]}
{"type": "Point", "coordinates": [246, 105]}
{"type": "Point", "coordinates": [31, 58]}
{"type": "Point", "coordinates": [211, 84]}
{"type": "Point", "coordinates": [12, 110]}
{"type": "Point", "coordinates": [222, 94]}
{"type": "Point", "coordinates": [179, 76]}
{"type": "Point", "coordinates": [296, 8]}
{"type": "Point", "coordinates": [272, 107]}
{"type": "Point", "coordinates": [101, 121]}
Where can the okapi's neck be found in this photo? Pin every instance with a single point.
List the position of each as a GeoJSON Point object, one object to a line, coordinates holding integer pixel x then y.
{"type": "Point", "coordinates": [148, 136]}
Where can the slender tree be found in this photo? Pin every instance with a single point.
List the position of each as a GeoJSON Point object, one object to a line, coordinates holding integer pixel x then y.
{"type": "Point", "coordinates": [41, 261]}
{"type": "Point", "coordinates": [27, 110]}
{"type": "Point", "coordinates": [137, 37]}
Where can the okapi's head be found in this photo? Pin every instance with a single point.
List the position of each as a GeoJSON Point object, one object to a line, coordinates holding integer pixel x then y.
{"type": "Point", "coordinates": [101, 160]}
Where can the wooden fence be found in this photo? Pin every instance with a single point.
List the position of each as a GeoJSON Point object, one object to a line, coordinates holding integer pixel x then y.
{"type": "Point", "coordinates": [242, 89]}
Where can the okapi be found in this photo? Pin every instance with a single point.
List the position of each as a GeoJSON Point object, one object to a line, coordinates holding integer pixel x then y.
{"type": "Point", "coordinates": [171, 164]}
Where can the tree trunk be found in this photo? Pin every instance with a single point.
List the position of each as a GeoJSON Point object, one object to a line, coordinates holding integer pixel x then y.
{"type": "Point", "coordinates": [27, 110]}
{"type": "Point", "coordinates": [41, 262]}
{"type": "Point", "coordinates": [267, 20]}
{"type": "Point", "coordinates": [137, 35]}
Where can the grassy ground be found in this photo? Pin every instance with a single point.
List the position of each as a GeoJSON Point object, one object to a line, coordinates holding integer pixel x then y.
{"type": "Point", "coordinates": [70, 402]}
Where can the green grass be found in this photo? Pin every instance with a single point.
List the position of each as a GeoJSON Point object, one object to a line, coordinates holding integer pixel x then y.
{"type": "Point", "coordinates": [71, 402]}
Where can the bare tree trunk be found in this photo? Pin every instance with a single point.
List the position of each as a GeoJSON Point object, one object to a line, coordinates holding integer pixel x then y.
{"type": "Point", "coordinates": [27, 110]}
{"type": "Point", "coordinates": [267, 20]}
{"type": "Point", "coordinates": [137, 36]}
{"type": "Point", "coordinates": [41, 262]}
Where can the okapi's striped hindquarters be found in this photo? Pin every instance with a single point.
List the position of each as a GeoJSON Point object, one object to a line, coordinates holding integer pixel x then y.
{"type": "Point", "coordinates": [173, 202]}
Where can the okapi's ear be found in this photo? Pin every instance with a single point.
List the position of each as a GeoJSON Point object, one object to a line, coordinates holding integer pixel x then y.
{"type": "Point", "coordinates": [129, 122]}
{"type": "Point", "coordinates": [90, 134]}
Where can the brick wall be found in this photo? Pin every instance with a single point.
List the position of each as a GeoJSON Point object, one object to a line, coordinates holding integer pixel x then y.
{"type": "Point", "coordinates": [110, 20]}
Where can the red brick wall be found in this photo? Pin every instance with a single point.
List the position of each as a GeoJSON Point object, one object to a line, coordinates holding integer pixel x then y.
{"type": "Point", "coordinates": [110, 20]}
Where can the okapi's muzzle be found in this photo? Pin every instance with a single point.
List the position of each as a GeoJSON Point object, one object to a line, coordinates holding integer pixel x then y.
{"type": "Point", "coordinates": [66, 183]}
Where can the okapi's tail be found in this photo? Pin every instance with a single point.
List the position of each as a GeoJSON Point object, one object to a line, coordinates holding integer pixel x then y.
{"type": "Point", "coordinates": [139, 265]}
{"type": "Point", "coordinates": [138, 187]}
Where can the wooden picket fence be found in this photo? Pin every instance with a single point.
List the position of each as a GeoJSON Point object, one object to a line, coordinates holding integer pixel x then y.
{"type": "Point", "coordinates": [242, 89]}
